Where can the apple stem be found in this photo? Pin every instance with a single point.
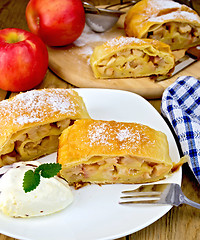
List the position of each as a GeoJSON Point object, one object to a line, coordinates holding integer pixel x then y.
{"type": "Point", "coordinates": [13, 37]}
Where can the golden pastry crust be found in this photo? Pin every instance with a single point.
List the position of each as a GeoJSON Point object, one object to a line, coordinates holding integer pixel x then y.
{"type": "Point", "coordinates": [33, 116]}
{"type": "Point", "coordinates": [132, 57]}
{"type": "Point", "coordinates": [167, 21]}
{"type": "Point", "coordinates": [99, 151]}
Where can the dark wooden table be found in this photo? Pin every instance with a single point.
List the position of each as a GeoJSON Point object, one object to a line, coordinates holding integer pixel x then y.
{"type": "Point", "coordinates": [179, 223]}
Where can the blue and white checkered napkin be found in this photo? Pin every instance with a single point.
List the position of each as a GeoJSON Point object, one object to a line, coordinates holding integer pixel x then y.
{"type": "Point", "coordinates": [181, 106]}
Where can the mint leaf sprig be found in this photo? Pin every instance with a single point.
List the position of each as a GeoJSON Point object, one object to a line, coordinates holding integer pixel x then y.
{"type": "Point", "coordinates": [32, 178]}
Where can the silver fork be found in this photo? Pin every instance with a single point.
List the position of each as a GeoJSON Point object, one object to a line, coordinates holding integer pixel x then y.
{"type": "Point", "coordinates": [168, 193]}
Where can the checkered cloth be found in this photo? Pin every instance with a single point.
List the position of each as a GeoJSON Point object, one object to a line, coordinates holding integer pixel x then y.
{"type": "Point", "coordinates": [181, 106]}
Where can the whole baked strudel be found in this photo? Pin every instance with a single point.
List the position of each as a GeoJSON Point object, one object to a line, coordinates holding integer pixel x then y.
{"type": "Point", "coordinates": [132, 57]}
{"type": "Point", "coordinates": [31, 122]}
{"type": "Point", "coordinates": [96, 151]}
{"type": "Point", "coordinates": [166, 20]}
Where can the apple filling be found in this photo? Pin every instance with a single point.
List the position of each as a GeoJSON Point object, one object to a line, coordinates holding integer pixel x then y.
{"type": "Point", "coordinates": [177, 35]}
{"type": "Point", "coordinates": [116, 170]}
{"type": "Point", "coordinates": [33, 143]}
{"type": "Point", "coordinates": [134, 63]}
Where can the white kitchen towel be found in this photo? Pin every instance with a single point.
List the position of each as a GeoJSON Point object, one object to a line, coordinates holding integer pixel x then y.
{"type": "Point", "coordinates": [181, 106]}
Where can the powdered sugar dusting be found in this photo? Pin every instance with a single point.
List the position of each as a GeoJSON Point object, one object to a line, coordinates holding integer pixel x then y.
{"type": "Point", "coordinates": [176, 15]}
{"type": "Point", "coordinates": [85, 42]}
{"type": "Point", "coordinates": [161, 5]}
{"type": "Point", "coordinates": [118, 135]}
{"type": "Point", "coordinates": [87, 51]}
{"type": "Point", "coordinates": [98, 134]}
{"type": "Point", "coordinates": [88, 36]}
{"type": "Point", "coordinates": [37, 105]}
{"type": "Point", "coordinates": [124, 135]}
{"type": "Point", "coordinates": [127, 135]}
{"type": "Point", "coordinates": [122, 41]}
{"type": "Point", "coordinates": [26, 119]}
{"type": "Point", "coordinates": [160, 11]}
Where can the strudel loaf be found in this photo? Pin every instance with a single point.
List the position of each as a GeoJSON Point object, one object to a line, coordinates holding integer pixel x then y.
{"type": "Point", "coordinates": [102, 152]}
{"type": "Point", "coordinates": [31, 122]}
{"type": "Point", "coordinates": [124, 57]}
{"type": "Point", "coordinates": [168, 21]}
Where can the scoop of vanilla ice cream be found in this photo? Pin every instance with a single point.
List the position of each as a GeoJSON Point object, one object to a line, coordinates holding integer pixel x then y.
{"type": "Point", "coordinates": [51, 195]}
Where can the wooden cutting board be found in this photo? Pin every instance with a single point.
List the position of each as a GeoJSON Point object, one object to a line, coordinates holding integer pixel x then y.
{"type": "Point", "coordinates": [71, 63]}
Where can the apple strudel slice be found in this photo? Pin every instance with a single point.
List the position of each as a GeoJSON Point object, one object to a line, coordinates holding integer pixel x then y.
{"type": "Point", "coordinates": [102, 152]}
{"type": "Point", "coordinates": [167, 21]}
{"type": "Point", "coordinates": [124, 57]}
{"type": "Point", "coordinates": [31, 122]}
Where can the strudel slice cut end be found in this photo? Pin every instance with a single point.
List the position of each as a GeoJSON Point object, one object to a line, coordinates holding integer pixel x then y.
{"type": "Point", "coordinates": [124, 57]}
{"type": "Point", "coordinates": [168, 21]}
{"type": "Point", "coordinates": [102, 152]}
{"type": "Point", "coordinates": [31, 122]}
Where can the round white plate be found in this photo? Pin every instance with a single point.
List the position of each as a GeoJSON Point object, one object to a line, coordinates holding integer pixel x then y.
{"type": "Point", "coordinates": [95, 213]}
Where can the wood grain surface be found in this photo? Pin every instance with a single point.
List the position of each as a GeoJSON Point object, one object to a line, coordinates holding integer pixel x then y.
{"type": "Point", "coordinates": [80, 72]}
{"type": "Point", "coordinates": [179, 223]}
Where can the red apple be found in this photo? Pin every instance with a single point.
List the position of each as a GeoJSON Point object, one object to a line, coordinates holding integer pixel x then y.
{"type": "Point", "coordinates": [23, 60]}
{"type": "Point", "coordinates": [56, 22]}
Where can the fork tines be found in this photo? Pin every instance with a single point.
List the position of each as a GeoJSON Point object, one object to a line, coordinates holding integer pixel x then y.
{"type": "Point", "coordinates": [147, 194]}
{"type": "Point", "coordinates": [167, 193]}
{"type": "Point", "coordinates": [141, 198]}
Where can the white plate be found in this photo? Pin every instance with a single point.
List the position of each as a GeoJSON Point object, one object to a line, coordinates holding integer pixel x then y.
{"type": "Point", "coordinates": [95, 212]}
